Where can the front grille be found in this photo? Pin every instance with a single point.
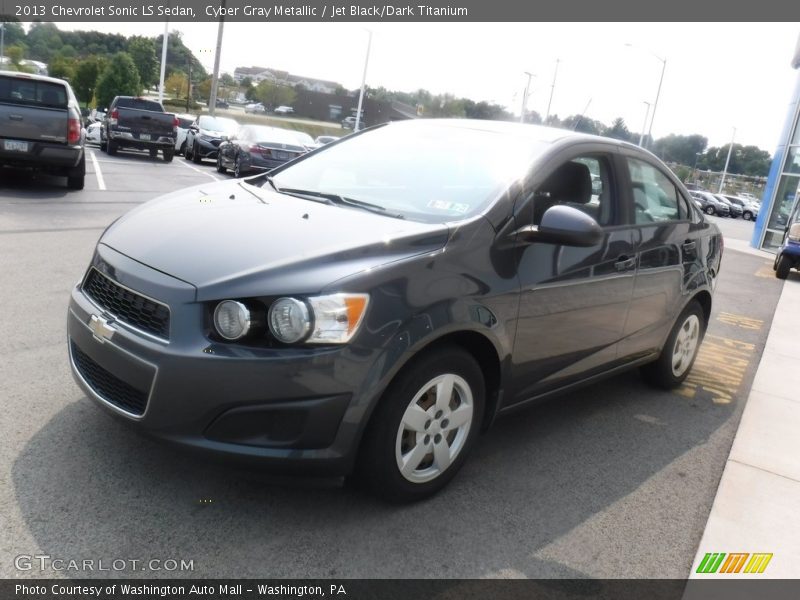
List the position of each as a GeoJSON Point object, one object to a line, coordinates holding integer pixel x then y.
{"type": "Point", "coordinates": [126, 305]}
{"type": "Point", "coordinates": [109, 387]}
{"type": "Point", "coordinates": [216, 143]}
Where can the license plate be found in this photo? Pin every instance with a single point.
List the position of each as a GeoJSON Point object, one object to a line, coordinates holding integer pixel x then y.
{"type": "Point", "coordinates": [282, 155]}
{"type": "Point", "coordinates": [144, 136]}
{"type": "Point", "coordinates": [15, 145]}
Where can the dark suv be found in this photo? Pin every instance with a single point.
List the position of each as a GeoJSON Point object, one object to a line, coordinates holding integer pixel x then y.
{"type": "Point", "coordinates": [40, 126]}
{"type": "Point", "coordinates": [371, 306]}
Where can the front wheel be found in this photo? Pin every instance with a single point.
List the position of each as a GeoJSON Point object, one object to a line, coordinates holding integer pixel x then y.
{"type": "Point", "coordinates": [680, 351]}
{"type": "Point", "coordinates": [237, 167]}
{"type": "Point", "coordinates": [153, 152]}
{"type": "Point", "coordinates": [196, 158]}
{"type": "Point", "coordinates": [747, 216]}
{"type": "Point", "coordinates": [424, 427]}
{"type": "Point", "coordinates": [782, 267]}
{"type": "Point", "coordinates": [220, 168]}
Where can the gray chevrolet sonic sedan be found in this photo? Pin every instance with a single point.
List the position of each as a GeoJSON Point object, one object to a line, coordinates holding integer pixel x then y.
{"type": "Point", "coordinates": [368, 308]}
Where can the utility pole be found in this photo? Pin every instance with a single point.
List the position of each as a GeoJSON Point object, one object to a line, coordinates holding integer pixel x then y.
{"type": "Point", "coordinates": [727, 162]}
{"type": "Point", "coordinates": [163, 62]}
{"type": "Point", "coordinates": [644, 125]}
{"type": "Point", "coordinates": [189, 83]}
{"type": "Point", "coordinates": [357, 125]}
{"type": "Point", "coordinates": [525, 98]}
{"type": "Point", "coordinates": [212, 101]}
{"type": "Point", "coordinates": [553, 89]}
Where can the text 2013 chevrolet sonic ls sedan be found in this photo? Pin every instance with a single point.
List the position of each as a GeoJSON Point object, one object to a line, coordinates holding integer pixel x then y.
{"type": "Point", "coordinates": [369, 307]}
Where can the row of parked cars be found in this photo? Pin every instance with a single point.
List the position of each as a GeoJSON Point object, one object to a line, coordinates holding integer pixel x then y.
{"type": "Point", "coordinates": [726, 205]}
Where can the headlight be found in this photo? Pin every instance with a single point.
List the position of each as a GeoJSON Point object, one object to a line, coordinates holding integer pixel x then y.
{"type": "Point", "coordinates": [794, 232]}
{"type": "Point", "coordinates": [331, 319]}
{"type": "Point", "coordinates": [232, 319]}
{"type": "Point", "coordinates": [289, 320]}
{"type": "Point", "coordinates": [336, 317]}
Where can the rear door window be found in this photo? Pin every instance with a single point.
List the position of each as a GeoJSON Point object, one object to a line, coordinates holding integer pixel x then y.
{"type": "Point", "coordinates": [33, 92]}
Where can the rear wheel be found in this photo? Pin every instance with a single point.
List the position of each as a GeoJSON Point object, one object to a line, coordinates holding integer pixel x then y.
{"type": "Point", "coordinates": [747, 215]}
{"type": "Point", "coordinates": [679, 352]}
{"type": "Point", "coordinates": [782, 267]}
{"type": "Point", "coordinates": [112, 147]}
{"type": "Point", "coordinates": [424, 427]}
{"type": "Point", "coordinates": [77, 175]}
{"type": "Point", "coordinates": [168, 153]}
{"type": "Point", "coordinates": [183, 148]}
{"type": "Point", "coordinates": [709, 210]}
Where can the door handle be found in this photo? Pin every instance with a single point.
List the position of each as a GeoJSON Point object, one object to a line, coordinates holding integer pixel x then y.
{"type": "Point", "coordinates": [689, 245]}
{"type": "Point", "coordinates": [624, 263]}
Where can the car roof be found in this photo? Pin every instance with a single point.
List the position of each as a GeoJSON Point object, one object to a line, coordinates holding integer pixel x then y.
{"type": "Point", "coordinates": [20, 75]}
{"type": "Point", "coordinates": [535, 133]}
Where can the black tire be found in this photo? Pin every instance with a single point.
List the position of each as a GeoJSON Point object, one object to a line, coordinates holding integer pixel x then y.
{"type": "Point", "coordinates": [153, 152]}
{"type": "Point", "coordinates": [378, 459]}
{"type": "Point", "coordinates": [220, 168]}
{"type": "Point", "coordinates": [747, 215]}
{"type": "Point", "coordinates": [710, 210]}
{"type": "Point", "coordinates": [196, 158]}
{"type": "Point", "coordinates": [112, 147]}
{"type": "Point", "coordinates": [782, 267]}
{"type": "Point", "coordinates": [183, 148]}
{"type": "Point", "coordinates": [169, 154]}
{"type": "Point", "coordinates": [237, 167]}
{"type": "Point", "coordinates": [661, 372]}
{"type": "Point", "coordinates": [77, 176]}
{"type": "Point", "coordinates": [104, 146]}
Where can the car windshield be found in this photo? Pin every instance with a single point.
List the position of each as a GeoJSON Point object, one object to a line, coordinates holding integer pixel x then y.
{"type": "Point", "coordinates": [428, 172]}
{"type": "Point", "coordinates": [218, 124]}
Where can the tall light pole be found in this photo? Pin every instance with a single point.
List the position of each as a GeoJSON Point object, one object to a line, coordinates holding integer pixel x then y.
{"type": "Point", "coordinates": [212, 101]}
{"type": "Point", "coordinates": [658, 91]}
{"type": "Point", "coordinates": [525, 98]}
{"type": "Point", "coordinates": [3, 42]}
{"type": "Point", "coordinates": [644, 125]}
{"type": "Point", "coordinates": [727, 162]}
{"type": "Point", "coordinates": [553, 89]}
{"type": "Point", "coordinates": [163, 62]}
{"type": "Point", "coordinates": [357, 126]}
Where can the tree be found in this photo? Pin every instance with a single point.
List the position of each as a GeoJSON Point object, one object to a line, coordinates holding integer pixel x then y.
{"type": "Point", "coordinates": [271, 94]}
{"type": "Point", "coordinates": [13, 33]}
{"type": "Point", "coordinates": [227, 80]}
{"type": "Point", "coordinates": [247, 83]}
{"type": "Point", "coordinates": [61, 67]}
{"type": "Point", "coordinates": [86, 74]}
{"type": "Point", "coordinates": [14, 54]}
{"type": "Point", "coordinates": [143, 53]}
{"type": "Point", "coordinates": [619, 130]}
{"type": "Point", "coordinates": [583, 124]}
{"type": "Point", "coordinates": [120, 78]}
{"type": "Point", "coordinates": [745, 160]}
{"type": "Point", "coordinates": [682, 149]}
{"type": "Point", "coordinates": [44, 40]}
{"type": "Point", "coordinates": [177, 85]}
{"type": "Point", "coordinates": [179, 56]}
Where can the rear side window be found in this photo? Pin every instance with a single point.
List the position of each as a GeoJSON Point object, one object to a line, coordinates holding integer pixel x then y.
{"type": "Point", "coordinates": [140, 104]}
{"type": "Point", "coordinates": [32, 92]}
{"type": "Point", "coordinates": [655, 198]}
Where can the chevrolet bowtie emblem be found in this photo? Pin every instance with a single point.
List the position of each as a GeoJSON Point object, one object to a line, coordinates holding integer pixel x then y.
{"type": "Point", "coordinates": [101, 329]}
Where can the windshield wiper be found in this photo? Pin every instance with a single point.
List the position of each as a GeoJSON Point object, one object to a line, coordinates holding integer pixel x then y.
{"type": "Point", "coordinates": [337, 200]}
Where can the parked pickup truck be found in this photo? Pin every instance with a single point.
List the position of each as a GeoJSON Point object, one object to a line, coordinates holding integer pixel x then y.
{"type": "Point", "coordinates": [133, 122]}
{"type": "Point", "coordinates": [40, 126]}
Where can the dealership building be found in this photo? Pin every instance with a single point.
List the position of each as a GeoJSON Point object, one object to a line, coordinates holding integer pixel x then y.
{"type": "Point", "coordinates": [783, 184]}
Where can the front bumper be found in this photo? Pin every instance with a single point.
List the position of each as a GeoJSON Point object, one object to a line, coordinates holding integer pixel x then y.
{"type": "Point", "coordinates": [288, 409]}
{"type": "Point", "coordinates": [206, 148]}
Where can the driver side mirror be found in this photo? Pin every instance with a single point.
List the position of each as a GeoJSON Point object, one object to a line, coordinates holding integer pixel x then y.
{"type": "Point", "coordinates": [562, 225]}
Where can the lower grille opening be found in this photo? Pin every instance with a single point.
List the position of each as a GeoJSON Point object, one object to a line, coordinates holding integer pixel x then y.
{"type": "Point", "coordinates": [109, 387]}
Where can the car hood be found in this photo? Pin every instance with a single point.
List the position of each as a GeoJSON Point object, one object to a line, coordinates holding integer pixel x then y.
{"type": "Point", "coordinates": [231, 239]}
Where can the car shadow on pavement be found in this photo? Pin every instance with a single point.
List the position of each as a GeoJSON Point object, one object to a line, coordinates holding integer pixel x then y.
{"type": "Point", "coordinates": [24, 185]}
{"type": "Point", "coordinates": [88, 487]}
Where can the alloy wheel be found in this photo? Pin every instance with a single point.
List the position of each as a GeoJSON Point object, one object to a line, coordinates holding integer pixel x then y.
{"type": "Point", "coordinates": [686, 343]}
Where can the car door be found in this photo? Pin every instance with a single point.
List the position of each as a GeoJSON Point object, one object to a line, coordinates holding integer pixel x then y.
{"type": "Point", "coordinates": [667, 236]}
{"type": "Point", "coordinates": [573, 300]}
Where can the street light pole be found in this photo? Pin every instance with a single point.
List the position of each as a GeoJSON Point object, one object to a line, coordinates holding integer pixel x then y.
{"type": "Point", "coordinates": [644, 124]}
{"type": "Point", "coordinates": [212, 101]}
{"type": "Point", "coordinates": [727, 162]}
{"type": "Point", "coordinates": [163, 62]}
{"type": "Point", "coordinates": [357, 126]}
{"type": "Point", "coordinates": [525, 98]}
{"type": "Point", "coordinates": [658, 91]}
{"type": "Point", "coordinates": [553, 89]}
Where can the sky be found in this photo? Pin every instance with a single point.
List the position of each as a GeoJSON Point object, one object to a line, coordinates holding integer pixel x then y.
{"type": "Point", "coordinates": [718, 76]}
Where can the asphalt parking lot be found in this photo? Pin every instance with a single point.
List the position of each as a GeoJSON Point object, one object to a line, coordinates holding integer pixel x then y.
{"type": "Point", "coordinates": [613, 481]}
